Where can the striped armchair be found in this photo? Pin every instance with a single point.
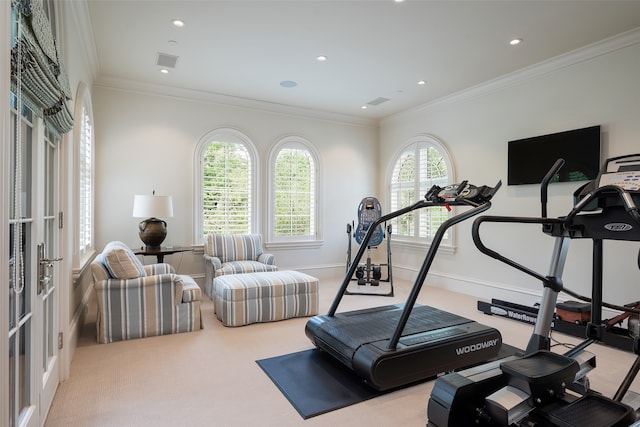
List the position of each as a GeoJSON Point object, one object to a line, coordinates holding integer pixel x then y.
{"type": "Point", "coordinates": [137, 301]}
{"type": "Point", "coordinates": [233, 254]}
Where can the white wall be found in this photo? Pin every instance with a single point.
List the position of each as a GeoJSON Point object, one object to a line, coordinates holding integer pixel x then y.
{"type": "Point", "coordinates": [595, 86]}
{"type": "Point", "coordinates": [146, 142]}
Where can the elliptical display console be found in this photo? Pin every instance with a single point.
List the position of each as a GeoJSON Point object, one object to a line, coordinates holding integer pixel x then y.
{"type": "Point", "coordinates": [400, 344]}
{"type": "Point", "coordinates": [542, 388]}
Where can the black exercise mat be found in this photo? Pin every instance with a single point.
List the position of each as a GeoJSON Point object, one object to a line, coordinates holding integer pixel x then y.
{"type": "Point", "coordinates": [315, 383]}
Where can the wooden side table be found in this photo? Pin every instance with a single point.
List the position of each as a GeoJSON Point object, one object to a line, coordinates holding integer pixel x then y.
{"type": "Point", "coordinates": [160, 252]}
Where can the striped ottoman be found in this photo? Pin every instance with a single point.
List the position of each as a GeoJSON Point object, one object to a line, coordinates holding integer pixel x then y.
{"type": "Point", "coordinates": [242, 299]}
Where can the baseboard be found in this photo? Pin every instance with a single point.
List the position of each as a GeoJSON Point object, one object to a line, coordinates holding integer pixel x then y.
{"type": "Point", "coordinates": [76, 324]}
{"type": "Point", "coordinates": [482, 289]}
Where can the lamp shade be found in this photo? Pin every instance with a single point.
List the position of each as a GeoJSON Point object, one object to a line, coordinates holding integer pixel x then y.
{"type": "Point", "coordinates": [145, 206]}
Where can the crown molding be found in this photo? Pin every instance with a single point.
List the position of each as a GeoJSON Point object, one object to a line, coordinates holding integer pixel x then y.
{"type": "Point", "coordinates": [79, 12]}
{"type": "Point", "coordinates": [594, 50]}
{"type": "Point", "coordinates": [229, 101]}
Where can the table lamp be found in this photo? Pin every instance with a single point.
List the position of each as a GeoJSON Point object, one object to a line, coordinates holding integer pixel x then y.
{"type": "Point", "coordinates": [152, 230]}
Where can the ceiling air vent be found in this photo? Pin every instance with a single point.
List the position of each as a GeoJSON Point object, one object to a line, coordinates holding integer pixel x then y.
{"type": "Point", "coordinates": [166, 60]}
{"type": "Point", "coordinates": [377, 101]}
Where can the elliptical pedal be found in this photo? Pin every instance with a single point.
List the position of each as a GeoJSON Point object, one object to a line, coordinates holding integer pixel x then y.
{"type": "Point", "coordinates": [543, 375]}
{"type": "Point", "coordinates": [593, 410]}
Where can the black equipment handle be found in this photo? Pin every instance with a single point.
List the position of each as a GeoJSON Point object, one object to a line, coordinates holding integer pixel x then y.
{"type": "Point", "coordinates": [426, 265]}
{"type": "Point", "coordinates": [547, 223]}
{"type": "Point", "coordinates": [475, 234]}
{"type": "Point", "coordinates": [363, 247]}
{"type": "Point", "coordinates": [545, 184]}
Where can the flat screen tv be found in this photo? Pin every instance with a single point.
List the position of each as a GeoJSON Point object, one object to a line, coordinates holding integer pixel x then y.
{"type": "Point", "coordinates": [529, 159]}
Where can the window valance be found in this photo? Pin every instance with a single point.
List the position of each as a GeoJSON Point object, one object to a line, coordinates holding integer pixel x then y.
{"type": "Point", "coordinates": [35, 60]}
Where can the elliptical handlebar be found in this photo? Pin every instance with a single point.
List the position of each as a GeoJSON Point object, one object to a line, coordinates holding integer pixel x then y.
{"type": "Point", "coordinates": [544, 186]}
{"type": "Point", "coordinates": [475, 234]}
{"type": "Point", "coordinates": [546, 223]}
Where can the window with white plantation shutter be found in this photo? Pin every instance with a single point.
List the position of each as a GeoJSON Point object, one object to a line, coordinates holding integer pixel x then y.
{"type": "Point", "coordinates": [85, 184]}
{"type": "Point", "coordinates": [226, 189]}
{"type": "Point", "coordinates": [227, 168]}
{"type": "Point", "coordinates": [83, 175]}
{"type": "Point", "coordinates": [294, 194]}
{"type": "Point", "coordinates": [422, 163]}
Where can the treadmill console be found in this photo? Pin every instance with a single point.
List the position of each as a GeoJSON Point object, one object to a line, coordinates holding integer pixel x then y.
{"type": "Point", "coordinates": [607, 207]}
{"type": "Point", "coordinates": [461, 193]}
{"type": "Point", "coordinates": [623, 172]}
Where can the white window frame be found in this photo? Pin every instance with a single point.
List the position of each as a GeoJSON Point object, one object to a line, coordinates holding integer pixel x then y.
{"type": "Point", "coordinates": [294, 241]}
{"type": "Point", "coordinates": [84, 245]}
{"type": "Point", "coordinates": [415, 144]}
{"type": "Point", "coordinates": [232, 136]}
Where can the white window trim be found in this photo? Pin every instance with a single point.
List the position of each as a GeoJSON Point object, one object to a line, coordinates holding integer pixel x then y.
{"type": "Point", "coordinates": [83, 102]}
{"type": "Point", "coordinates": [229, 135]}
{"type": "Point", "coordinates": [302, 241]}
{"type": "Point", "coordinates": [417, 242]}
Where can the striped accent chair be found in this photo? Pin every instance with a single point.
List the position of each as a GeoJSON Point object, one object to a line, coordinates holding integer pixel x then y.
{"type": "Point", "coordinates": [138, 301]}
{"type": "Point", "coordinates": [242, 299]}
{"type": "Point", "coordinates": [234, 254]}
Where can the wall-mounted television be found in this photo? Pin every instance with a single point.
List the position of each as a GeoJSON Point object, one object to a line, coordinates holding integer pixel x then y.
{"type": "Point", "coordinates": [529, 159]}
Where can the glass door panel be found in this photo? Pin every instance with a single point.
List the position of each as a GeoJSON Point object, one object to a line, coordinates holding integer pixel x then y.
{"type": "Point", "coordinates": [23, 392]}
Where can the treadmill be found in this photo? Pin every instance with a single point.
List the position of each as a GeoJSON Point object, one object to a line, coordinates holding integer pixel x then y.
{"type": "Point", "coordinates": [400, 344]}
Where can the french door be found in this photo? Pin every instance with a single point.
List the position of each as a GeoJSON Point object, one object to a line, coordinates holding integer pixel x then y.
{"type": "Point", "coordinates": [33, 291]}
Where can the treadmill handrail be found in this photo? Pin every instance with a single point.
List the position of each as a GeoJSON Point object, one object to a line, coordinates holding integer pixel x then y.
{"type": "Point", "coordinates": [363, 248]}
{"type": "Point", "coordinates": [426, 265]}
{"type": "Point", "coordinates": [431, 200]}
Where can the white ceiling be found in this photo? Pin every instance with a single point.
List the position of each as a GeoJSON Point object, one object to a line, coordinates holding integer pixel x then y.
{"type": "Point", "coordinates": [375, 48]}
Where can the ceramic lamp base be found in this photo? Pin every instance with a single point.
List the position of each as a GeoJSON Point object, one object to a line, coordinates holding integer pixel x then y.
{"type": "Point", "coordinates": [153, 231]}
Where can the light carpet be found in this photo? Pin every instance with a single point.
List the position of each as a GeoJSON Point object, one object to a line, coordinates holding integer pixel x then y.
{"type": "Point", "coordinates": [210, 377]}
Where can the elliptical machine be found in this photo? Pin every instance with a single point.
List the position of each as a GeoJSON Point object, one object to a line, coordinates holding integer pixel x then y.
{"type": "Point", "coordinates": [542, 388]}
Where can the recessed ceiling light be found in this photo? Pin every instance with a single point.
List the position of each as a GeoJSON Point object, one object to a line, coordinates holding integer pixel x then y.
{"type": "Point", "coordinates": [288, 83]}
{"type": "Point", "coordinates": [364, 107]}
{"type": "Point", "coordinates": [178, 23]}
{"type": "Point", "coordinates": [321, 58]}
{"type": "Point", "coordinates": [515, 42]}
{"type": "Point", "coordinates": [422, 82]}
{"type": "Point", "coordinates": [164, 71]}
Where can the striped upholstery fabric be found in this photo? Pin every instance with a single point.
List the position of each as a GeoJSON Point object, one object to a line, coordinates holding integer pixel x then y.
{"type": "Point", "coordinates": [234, 247]}
{"type": "Point", "coordinates": [242, 299]}
{"type": "Point", "coordinates": [159, 303]}
{"type": "Point", "coordinates": [234, 254]}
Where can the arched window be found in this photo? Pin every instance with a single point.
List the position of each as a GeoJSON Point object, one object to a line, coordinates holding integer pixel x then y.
{"type": "Point", "coordinates": [421, 163]}
{"type": "Point", "coordinates": [294, 207]}
{"type": "Point", "coordinates": [226, 184]}
{"type": "Point", "coordinates": [84, 143]}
